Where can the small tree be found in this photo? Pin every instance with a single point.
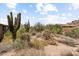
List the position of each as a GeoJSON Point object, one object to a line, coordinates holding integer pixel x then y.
{"type": "Point", "coordinates": [13, 27]}
{"type": "Point", "coordinates": [38, 27]}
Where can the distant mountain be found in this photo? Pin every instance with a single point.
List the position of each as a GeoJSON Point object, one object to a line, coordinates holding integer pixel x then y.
{"type": "Point", "coordinates": [75, 22]}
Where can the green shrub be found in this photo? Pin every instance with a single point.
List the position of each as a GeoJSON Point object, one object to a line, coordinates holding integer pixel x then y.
{"type": "Point", "coordinates": [20, 44]}
{"type": "Point", "coordinates": [73, 33]}
{"type": "Point", "coordinates": [20, 32]}
{"type": "Point", "coordinates": [49, 26]}
{"type": "Point", "coordinates": [8, 33]}
{"type": "Point", "coordinates": [57, 29]}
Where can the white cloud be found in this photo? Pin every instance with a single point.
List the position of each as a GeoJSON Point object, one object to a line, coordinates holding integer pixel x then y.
{"type": "Point", "coordinates": [14, 11]}
{"type": "Point", "coordinates": [54, 19]}
{"type": "Point", "coordinates": [43, 13]}
{"type": "Point", "coordinates": [75, 6]}
{"type": "Point", "coordinates": [24, 11]}
{"type": "Point", "coordinates": [30, 5]}
{"type": "Point", "coordinates": [69, 14]}
{"type": "Point", "coordinates": [27, 17]}
{"type": "Point", "coordinates": [50, 7]}
{"type": "Point", "coordinates": [3, 21]}
{"type": "Point", "coordinates": [63, 14]}
{"type": "Point", "coordinates": [33, 17]}
{"type": "Point", "coordinates": [70, 8]}
{"type": "Point", "coordinates": [45, 8]}
{"type": "Point", "coordinates": [39, 6]}
{"type": "Point", "coordinates": [11, 5]}
{"type": "Point", "coordinates": [66, 14]}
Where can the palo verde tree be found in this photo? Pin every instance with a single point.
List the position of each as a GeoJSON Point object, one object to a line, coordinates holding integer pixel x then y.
{"type": "Point", "coordinates": [14, 25]}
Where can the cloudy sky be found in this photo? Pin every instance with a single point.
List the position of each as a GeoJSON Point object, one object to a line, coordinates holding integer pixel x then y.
{"type": "Point", "coordinates": [46, 13]}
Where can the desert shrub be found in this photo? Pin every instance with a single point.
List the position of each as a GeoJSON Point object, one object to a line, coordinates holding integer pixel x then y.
{"type": "Point", "coordinates": [38, 44]}
{"type": "Point", "coordinates": [20, 44]}
{"type": "Point", "coordinates": [24, 41]}
{"type": "Point", "coordinates": [56, 29]}
{"type": "Point", "coordinates": [73, 33]}
{"type": "Point", "coordinates": [7, 37]}
{"type": "Point", "coordinates": [33, 33]}
{"type": "Point", "coordinates": [51, 42]}
{"type": "Point", "coordinates": [47, 34]}
{"type": "Point", "coordinates": [8, 33]}
{"type": "Point", "coordinates": [38, 27]}
{"type": "Point", "coordinates": [25, 36]}
{"type": "Point", "coordinates": [49, 26]}
{"type": "Point", "coordinates": [20, 32]}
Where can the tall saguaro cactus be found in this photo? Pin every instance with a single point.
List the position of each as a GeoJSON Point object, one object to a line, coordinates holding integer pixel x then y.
{"type": "Point", "coordinates": [14, 26]}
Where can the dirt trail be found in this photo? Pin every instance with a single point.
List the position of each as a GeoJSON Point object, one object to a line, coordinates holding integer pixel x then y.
{"type": "Point", "coordinates": [62, 49]}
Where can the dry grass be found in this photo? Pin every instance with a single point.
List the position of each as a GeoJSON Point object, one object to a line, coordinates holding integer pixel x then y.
{"type": "Point", "coordinates": [7, 39]}
{"type": "Point", "coordinates": [21, 44]}
{"type": "Point", "coordinates": [38, 44]}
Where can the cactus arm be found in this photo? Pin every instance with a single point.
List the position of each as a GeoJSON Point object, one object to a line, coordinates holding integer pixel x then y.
{"type": "Point", "coordinates": [10, 23]}
{"type": "Point", "coordinates": [11, 18]}
{"type": "Point", "coordinates": [17, 21]}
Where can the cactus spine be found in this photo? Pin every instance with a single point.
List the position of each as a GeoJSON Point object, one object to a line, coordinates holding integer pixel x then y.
{"type": "Point", "coordinates": [13, 27]}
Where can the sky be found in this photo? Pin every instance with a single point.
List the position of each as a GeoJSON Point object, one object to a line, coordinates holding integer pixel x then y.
{"type": "Point", "coordinates": [45, 13]}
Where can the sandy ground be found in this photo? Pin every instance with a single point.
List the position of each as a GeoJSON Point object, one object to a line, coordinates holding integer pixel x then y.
{"type": "Point", "coordinates": [51, 50]}
{"type": "Point", "coordinates": [59, 50]}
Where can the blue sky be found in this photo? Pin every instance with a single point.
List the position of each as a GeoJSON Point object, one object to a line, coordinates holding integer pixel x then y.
{"type": "Point", "coordinates": [46, 13]}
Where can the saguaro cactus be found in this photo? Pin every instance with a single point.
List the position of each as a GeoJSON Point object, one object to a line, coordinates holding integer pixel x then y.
{"type": "Point", "coordinates": [13, 27]}
{"type": "Point", "coordinates": [27, 26]}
